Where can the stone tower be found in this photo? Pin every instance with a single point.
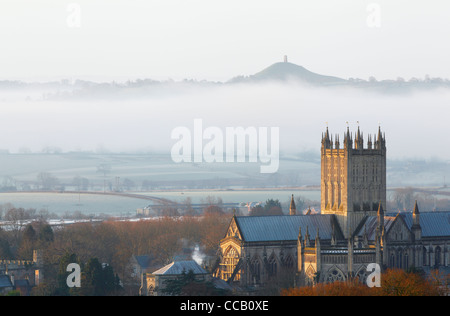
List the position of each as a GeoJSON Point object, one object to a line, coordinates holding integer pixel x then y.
{"type": "Point", "coordinates": [353, 180]}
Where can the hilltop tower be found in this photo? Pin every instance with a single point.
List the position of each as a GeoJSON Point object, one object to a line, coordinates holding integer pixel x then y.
{"type": "Point", "coordinates": [353, 178]}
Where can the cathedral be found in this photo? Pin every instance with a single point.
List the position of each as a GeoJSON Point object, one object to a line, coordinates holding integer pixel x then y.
{"type": "Point", "coordinates": [352, 231]}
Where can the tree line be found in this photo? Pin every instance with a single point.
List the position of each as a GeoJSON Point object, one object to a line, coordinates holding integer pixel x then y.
{"type": "Point", "coordinates": [394, 282]}
{"type": "Point", "coordinates": [113, 243]}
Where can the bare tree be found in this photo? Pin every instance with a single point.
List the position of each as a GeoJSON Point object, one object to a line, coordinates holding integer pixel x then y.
{"type": "Point", "coordinates": [47, 181]}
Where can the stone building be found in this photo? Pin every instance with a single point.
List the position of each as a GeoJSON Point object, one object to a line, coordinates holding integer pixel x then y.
{"type": "Point", "coordinates": [154, 284]}
{"type": "Point", "coordinates": [352, 231]}
{"type": "Point", "coordinates": [23, 274]}
{"type": "Point", "coordinates": [353, 178]}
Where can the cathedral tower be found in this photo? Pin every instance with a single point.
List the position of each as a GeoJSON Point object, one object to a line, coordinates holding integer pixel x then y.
{"type": "Point", "coordinates": [353, 181]}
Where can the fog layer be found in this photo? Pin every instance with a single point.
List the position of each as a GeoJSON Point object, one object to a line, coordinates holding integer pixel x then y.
{"type": "Point", "coordinates": [416, 124]}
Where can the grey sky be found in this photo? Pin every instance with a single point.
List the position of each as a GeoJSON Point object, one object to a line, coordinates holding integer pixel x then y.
{"type": "Point", "coordinates": [107, 40]}
{"type": "Point", "coordinates": [217, 40]}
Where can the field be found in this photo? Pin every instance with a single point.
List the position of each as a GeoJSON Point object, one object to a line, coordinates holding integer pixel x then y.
{"type": "Point", "coordinates": [156, 175]}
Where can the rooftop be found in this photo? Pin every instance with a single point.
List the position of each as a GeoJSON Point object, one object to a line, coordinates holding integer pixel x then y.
{"type": "Point", "coordinates": [285, 227]}
{"type": "Point", "coordinates": [178, 267]}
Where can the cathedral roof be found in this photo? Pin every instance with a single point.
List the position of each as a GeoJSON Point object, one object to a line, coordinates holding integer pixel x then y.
{"type": "Point", "coordinates": [433, 224]}
{"type": "Point", "coordinates": [371, 224]}
{"type": "Point", "coordinates": [284, 227]}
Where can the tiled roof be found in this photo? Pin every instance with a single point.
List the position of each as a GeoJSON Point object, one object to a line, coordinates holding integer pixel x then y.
{"type": "Point", "coordinates": [5, 281]}
{"type": "Point", "coordinates": [284, 227]}
{"type": "Point", "coordinates": [143, 261]}
{"type": "Point", "coordinates": [177, 268]}
{"type": "Point", "coordinates": [433, 224]}
{"type": "Point", "coordinates": [370, 226]}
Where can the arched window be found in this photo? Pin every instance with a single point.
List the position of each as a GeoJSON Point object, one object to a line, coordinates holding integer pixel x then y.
{"type": "Point", "coordinates": [362, 275]}
{"type": "Point", "coordinates": [335, 275]}
{"type": "Point", "coordinates": [255, 267]}
{"type": "Point", "coordinates": [151, 290]}
{"type": "Point", "coordinates": [425, 256]}
{"type": "Point", "coordinates": [230, 260]}
{"type": "Point", "coordinates": [405, 260]}
{"type": "Point", "coordinates": [273, 266]}
{"type": "Point", "coordinates": [398, 259]}
{"type": "Point", "coordinates": [311, 274]}
{"type": "Point", "coordinates": [289, 263]}
{"type": "Point", "coordinates": [437, 257]}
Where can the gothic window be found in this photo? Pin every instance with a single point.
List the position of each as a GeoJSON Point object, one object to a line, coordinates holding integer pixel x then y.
{"type": "Point", "coordinates": [405, 260]}
{"type": "Point", "coordinates": [398, 260]}
{"type": "Point", "coordinates": [424, 256]}
{"type": "Point", "coordinates": [362, 275]}
{"type": "Point", "coordinates": [273, 265]}
{"type": "Point", "coordinates": [151, 290]}
{"type": "Point", "coordinates": [392, 261]}
{"type": "Point", "coordinates": [311, 274]}
{"type": "Point", "coordinates": [230, 260]}
{"type": "Point", "coordinates": [334, 276]}
{"type": "Point", "coordinates": [437, 257]}
{"type": "Point", "coordinates": [256, 269]}
{"type": "Point", "coordinates": [289, 263]}
{"type": "Point", "coordinates": [232, 231]}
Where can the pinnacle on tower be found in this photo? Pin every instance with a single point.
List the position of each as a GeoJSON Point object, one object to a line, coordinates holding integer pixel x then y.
{"type": "Point", "coordinates": [292, 208]}
{"type": "Point", "coordinates": [307, 238]}
{"type": "Point", "coordinates": [337, 143]}
{"type": "Point", "coordinates": [380, 209]}
{"type": "Point", "coordinates": [416, 227]}
{"type": "Point", "coordinates": [380, 217]}
{"type": "Point", "coordinates": [416, 215]}
{"type": "Point", "coordinates": [317, 241]}
{"type": "Point", "coordinates": [416, 209]}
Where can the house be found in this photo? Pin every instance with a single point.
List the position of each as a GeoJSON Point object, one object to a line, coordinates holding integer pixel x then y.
{"type": "Point", "coordinates": [153, 284]}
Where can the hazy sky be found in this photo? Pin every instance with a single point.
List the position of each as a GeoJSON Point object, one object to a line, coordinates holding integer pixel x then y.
{"type": "Point", "coordinates": [217, 40]}
{"type": "Point", "coordinates": [416, 125]}
{"type": "Point", "coordinates": [107, 40]}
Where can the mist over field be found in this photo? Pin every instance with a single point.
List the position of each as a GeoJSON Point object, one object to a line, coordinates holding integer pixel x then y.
{"type": "Point", "coordinates": [137, 120]}
{"type": "Point", "coordinates": [143, 139]}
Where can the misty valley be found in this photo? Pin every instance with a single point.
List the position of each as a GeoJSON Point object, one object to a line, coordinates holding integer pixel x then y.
{"type": "Point", "coordinates": [60, 183]}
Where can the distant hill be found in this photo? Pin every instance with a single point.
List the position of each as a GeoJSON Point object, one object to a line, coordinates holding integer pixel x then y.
{"type": "Point", "coordinates": [288, 71]}
{"type": "Point", "coordinates": [282, 72]}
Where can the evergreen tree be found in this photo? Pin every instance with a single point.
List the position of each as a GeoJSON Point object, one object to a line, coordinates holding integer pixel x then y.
{"type": "Point", "coordinates": [187, 285]}
{"type": "Point", "coordinates": [46, 233]}
{"type": "Point", "coordinates": [62, 289]}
